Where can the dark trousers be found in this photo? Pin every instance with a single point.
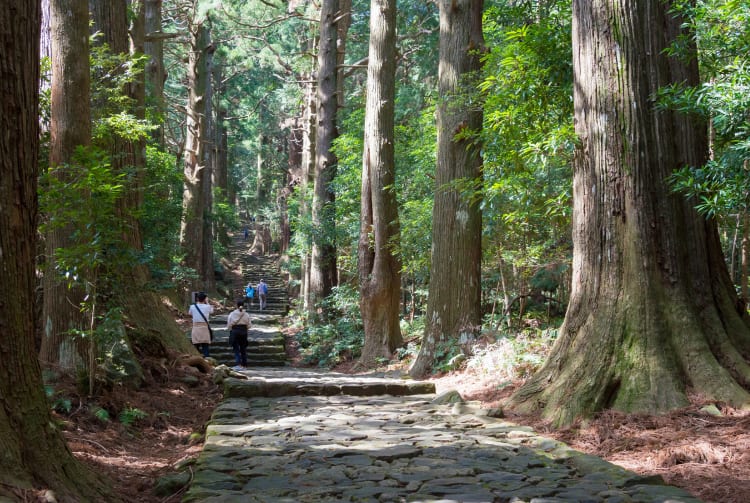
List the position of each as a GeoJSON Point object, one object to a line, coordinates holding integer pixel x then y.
{"type": "Point", "coordinates": [202, 348]}
{"type": "Point", "coordinates": [239, 345]}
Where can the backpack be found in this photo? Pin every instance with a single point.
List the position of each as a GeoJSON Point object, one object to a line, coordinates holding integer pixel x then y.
{"type": "Point", "coordinates": [263, 288]}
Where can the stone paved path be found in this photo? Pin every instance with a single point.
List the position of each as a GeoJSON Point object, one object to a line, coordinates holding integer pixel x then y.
{"type": "Point", "coordinates": [317, 446]}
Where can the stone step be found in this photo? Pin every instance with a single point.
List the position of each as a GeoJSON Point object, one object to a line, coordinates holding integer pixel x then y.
{"type": "Point", "coordinates": [261, 387]}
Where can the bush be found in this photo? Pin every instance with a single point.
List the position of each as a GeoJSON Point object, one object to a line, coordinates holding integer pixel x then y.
{"type": "Point", "coordinates": [338, 340]}
{"type": "Point", "coordinates": [512, 356]}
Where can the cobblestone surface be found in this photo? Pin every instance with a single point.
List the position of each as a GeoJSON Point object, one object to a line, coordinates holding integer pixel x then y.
{"type": "Point", "coordinates": [384, 448]}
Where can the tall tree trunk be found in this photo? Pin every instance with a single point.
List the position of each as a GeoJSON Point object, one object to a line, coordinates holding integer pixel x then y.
{"type": "Point", "coordinates": [344, 21]}
{"type": "Point", "coordinates": [379, 268]}
{"type": "Point", "coordinates": [34, 455]}
{"type": "Point", "coordinates": [220, 169]}
{"type": "Point", "coordinates": [194, 168]}
{"type": "Point", "coordinates": [156, 75]}
{"type": "Point", "coordinates": [260, 192]}
{"type": "Point", "coordinates": [70, 128]}
{"type": "Point", "coordinates": [652, 314]}
{"type": "Point", "coordinates": [454, 302]}
{"type": "Point", "coordinates": [293, 179]}
{"type": "Point", "coordinates": [308, 168]}
{"type": "Point", "coordinates": [323, 260]}
{"type": "Point", "coordinates": [126, 156]}
{"type": "Point", "coordinates": [207, 270]}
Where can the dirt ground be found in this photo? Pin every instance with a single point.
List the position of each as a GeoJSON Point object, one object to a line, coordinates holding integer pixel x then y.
{"type": "Point", "coordinates": [707, 455]}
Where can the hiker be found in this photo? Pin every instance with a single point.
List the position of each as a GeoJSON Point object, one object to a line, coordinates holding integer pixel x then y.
{"type": "Point", "coordinates": [249, 294]}
{"type": "Point", "coordinates": [238, 322]}
{"type": "Point", "coordinates": [262, 293]}
{"type": "Point", "coordinates": [201, 333]}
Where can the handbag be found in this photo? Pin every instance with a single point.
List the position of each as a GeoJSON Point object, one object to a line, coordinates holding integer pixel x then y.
{"type": "Point", "coordinates": [210, 332]}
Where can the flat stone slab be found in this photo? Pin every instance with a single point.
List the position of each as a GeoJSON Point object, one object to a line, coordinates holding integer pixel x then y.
{"type": "Point", "coordinates": [262, 382]}
{"type": "Point", "coordinates": [385, 448]}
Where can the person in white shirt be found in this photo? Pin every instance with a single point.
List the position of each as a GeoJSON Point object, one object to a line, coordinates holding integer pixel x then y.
{"type": "Point", "coordinates": [238, 323]}
{"type": "Point", "coordinates": [201, 333]}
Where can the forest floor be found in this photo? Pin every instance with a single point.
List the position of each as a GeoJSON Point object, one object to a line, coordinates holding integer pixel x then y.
{"type": "Point", "coordinates": [707, 455]}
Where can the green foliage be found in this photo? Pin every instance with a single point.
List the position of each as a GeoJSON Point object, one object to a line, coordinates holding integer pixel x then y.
{"type": "Point", "coordinates": [160, 217]}
{"type": "Point", "coordinates": [528, 142]}
{"type": "Point", "coordinates": [62, 405]}
{"type": "Point", "coordinates": [444, 352]}
{"type": "Point", "coordinates": [131, 415]}
{"type": "Point", "coordinates": [513, 355]}
{"type": "Point", "coordinates": [101, 414]}
{"type": "Point", "coordinates": [722, 27]}
{"type": "Point", "coordinates": [341, 339]}
{"type": "Point", "coordinates": [58, 403]}
{"type": "Point", "coordinates": [85, 192]}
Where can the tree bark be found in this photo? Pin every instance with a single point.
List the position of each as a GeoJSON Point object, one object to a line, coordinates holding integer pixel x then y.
{"type": "Point", "coordinates": [126, 156]}
{"type": "Point", "coordinates": [454, 302]}
{"type": "Point", "coordinates": [34, 455]}
{"type": "Point", "coordinates": [156, 75]}
{"type": "Point", "coordinates": [208, 273]}
{"type": "Point", "coordinates": [308, 168]}
{"type": "Point", "coordinates": [323, 260]}
{"type": "Point", "coordinates": [379, 267]}
{"type": "Point", "coordinates": [194, 167]}
{"type": "Point", "coordinates": [653, 315]}
{"type": "Point", "coordinates": [70, 127]}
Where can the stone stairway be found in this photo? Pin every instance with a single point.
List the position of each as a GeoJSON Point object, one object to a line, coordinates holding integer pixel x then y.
{"type": "Point", "coordinates": [266, 344]}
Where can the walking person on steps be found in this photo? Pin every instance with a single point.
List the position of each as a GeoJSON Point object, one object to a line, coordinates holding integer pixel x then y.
{"type": "Point", "coordinates": [238, 323]}
{"type": "Point", "coordinates": [262, 293]}
{"type": "Point", "coordinates": [201, 332]}
{"type": "Point", "coordinates": [249, 294]}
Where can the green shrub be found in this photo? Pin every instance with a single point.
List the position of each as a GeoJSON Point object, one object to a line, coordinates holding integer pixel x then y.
{"type": "Point", "coordinates": [341, 338]}
{"type": "Point", "coordinates": [131, 415]}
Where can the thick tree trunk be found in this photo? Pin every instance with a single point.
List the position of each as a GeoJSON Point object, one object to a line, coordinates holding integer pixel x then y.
{"type": "Point", "coordinates": [379, 267]}
{"type": "Point", "coordinates": [653, 314]}
{"type": "Point", "coordinates": [34, 455]}
{"type": "Point", "coordinates": [323, 260]}
{"type": "Point", "coordinates": [194, 168]}
{"type": "Point", "coordinates": [70, 128]}
{"type": "Point", "coordinates": [454, 302]}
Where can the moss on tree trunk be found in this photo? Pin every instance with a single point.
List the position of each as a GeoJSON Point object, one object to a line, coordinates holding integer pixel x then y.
{"type": "Point", "coordinates": [652, 315]}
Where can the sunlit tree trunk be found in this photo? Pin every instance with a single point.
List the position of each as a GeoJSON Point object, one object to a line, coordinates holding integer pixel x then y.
{"type": "Point", "coordinates": [34, 455]}
{"type": "Point", "coordinates": [379, 266]}
{"type": "Point", "coordinates": [653, 315]}
{"type": "Point", "coordinates": [70, 128]}
{"type": "Point", "coordinates": [454, 302]}
{"type": "Point", "coordinates": [323, 260]}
